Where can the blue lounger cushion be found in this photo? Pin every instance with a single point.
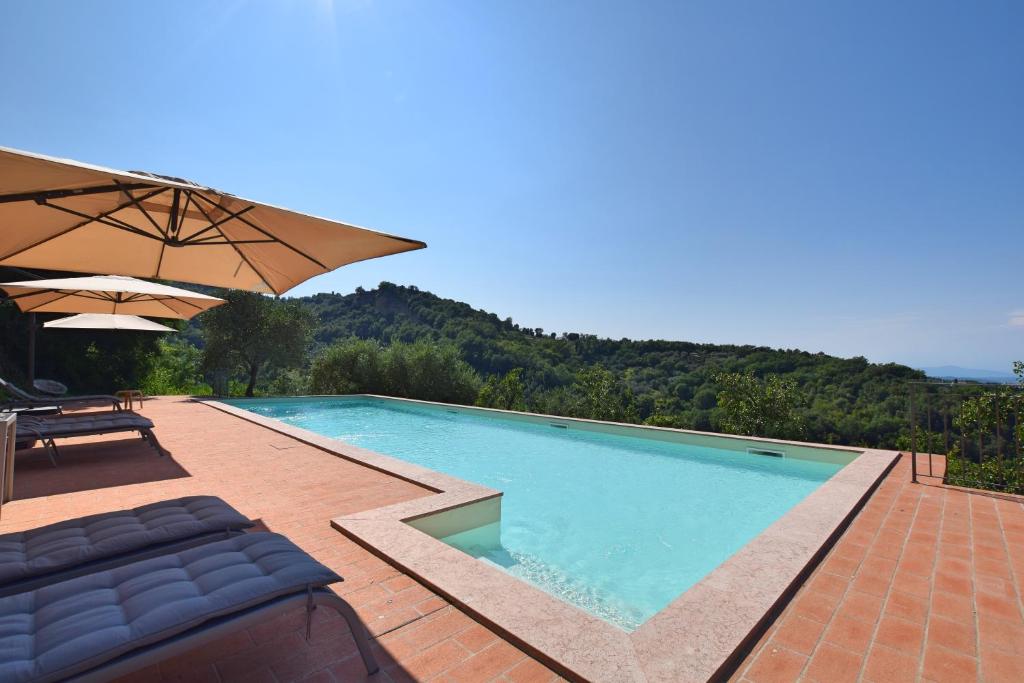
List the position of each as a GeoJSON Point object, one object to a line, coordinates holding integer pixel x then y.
{"type": "Point", "coordinates": [56, 426]}
{"type": "Point", "coordinates": [77, 625]}
{"type": "Point", "coordinates": [60, 547]}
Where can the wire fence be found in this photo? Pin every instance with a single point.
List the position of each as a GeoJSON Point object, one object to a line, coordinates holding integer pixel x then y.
{"type": "Point", "coordinates": [976, 426]}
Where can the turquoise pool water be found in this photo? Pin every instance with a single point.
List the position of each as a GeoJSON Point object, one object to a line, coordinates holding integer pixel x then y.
{"type": "Point", "coordinates": [617, 525]}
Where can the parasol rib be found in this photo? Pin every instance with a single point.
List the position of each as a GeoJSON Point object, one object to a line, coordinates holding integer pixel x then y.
{"type": "Point", "coordinates": [79, 225]}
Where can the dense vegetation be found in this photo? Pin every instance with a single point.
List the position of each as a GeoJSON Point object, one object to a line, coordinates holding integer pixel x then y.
{"type": "Point", "coordinates": [667, 383]}
{"type": "Point", "coordinates": [770, 407]}
{"type": "Point", "coordinates": [403, 341]}
{"type": "Point", "coordinates": [421, 370]}
{"type": "Point", "coordinates": [986, 435]}
{"type": "Point", "coordinates": [87, 360]}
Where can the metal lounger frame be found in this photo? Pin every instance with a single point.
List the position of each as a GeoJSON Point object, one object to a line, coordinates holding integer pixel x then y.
{"type": "Point", "coordinates": [51, 448]}
{"type": "Point", "coordinates": [115, 404]}
{"type": "Point", "coordinates": [26, 399]}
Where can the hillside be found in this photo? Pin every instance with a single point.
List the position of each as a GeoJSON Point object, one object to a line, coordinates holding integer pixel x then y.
{"type": "Point", "coordinates": [848, 400]}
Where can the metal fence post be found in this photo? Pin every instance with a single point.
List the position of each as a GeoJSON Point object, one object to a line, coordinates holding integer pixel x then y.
{"type": "Point", "coordinates": [928, 430]}
{"type": "Point", "coordinates": [913, 438]}
{"type": "Point", "coordinates": [999, 437]}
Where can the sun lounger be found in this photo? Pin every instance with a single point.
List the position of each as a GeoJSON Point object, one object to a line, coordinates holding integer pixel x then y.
{"type": "Point", "coordinates": [104, 625]}
{"type": "Point", "coordinates": [23, 399]}
{"type": "Point", "coordinates": [46, 428]}
{"type": "Point", "coordinates": [37, 557]}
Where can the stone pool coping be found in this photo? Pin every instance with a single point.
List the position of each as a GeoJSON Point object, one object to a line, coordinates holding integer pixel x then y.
{"type": "Point", "coordinates": [701, 635]}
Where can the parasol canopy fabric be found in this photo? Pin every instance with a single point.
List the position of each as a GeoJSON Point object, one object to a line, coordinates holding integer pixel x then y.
{"type": "Point", "coordinates": [107, 294]}
{"type": "Point", "coordinates": [107, 321]}
{"type": "Point", "coordinates": [59, 214]}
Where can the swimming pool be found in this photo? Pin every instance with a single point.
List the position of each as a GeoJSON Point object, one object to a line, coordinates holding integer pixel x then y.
{"type": "Point", "coordinates": [616, 524]}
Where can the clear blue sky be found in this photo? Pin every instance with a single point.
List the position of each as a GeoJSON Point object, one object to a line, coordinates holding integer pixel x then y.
{"type": "Point", "coordinates": [845, 177]}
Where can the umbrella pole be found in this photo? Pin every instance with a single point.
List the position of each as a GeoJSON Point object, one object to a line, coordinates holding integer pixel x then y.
{"type": "Point", "coordinates": [31, 348]}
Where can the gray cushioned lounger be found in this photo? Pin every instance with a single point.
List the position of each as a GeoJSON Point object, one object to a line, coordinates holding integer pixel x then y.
{"type": "Point", "coordinates": [29, 559]}
{"type": "Point", "coordinates": [49, 427]}
{"type": "Point", "coordinates": [23, 398]}
{"type": "Point", "coordinates": [99, 626]}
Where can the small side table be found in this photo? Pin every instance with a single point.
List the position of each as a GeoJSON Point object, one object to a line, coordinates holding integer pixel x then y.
{"type": "Point", "coordinates": [129, 396]}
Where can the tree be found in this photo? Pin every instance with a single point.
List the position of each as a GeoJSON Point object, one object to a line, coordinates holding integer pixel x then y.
{"type": "Point", "coordinates": [756, 407]}
{"type": "Point", "coordinates": [992, 419]}
{"type": "Point", "coordinates": [505, 392]}
{"type": "Point", "coordinates": [176, 369]}
{"type": "Point", "coordinates": [665, 413]}
{"type": "Point", "coordinates": [251, 331]}
{"type": "Point", "coordinates": [597, 394]}
{"type": "Point", "coordinates": [436, 372]}
{"type": "Point", "coordinates": [989, 411]}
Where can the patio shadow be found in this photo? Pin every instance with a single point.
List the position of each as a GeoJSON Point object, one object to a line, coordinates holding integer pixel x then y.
{"type": "Point", "coordinates": [91, 465]}
{"type": "Point", "coordinates": [280, 645]}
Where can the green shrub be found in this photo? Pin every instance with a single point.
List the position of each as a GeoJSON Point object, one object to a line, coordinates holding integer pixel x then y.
{"type": "Point", "coordinates": [1006, 476]}
{"type": "Point", "coordinates": [175, 370]}
{"type": "Point", "coordinates": [598, 394]}
{"type": "Point", "coordinates": [760, 407]}
{"type": "Point", "coordinates": [349, 367]}
{"type": "Point", "coordinates": [505, 392]}
{"type": "Point", "coordinates": [421, 370]}
{"type": "Point", "coordinates": [290, 382]}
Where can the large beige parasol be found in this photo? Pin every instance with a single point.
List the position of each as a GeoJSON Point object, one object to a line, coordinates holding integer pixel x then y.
{"type": "Point", "coordinates": [102, 294]}
{"type": "Point", "coordinates": [59, 214]}
{"type": "Point", "coordinates": [107, 294]}
{"type": "Point", "coordinates": [107, 321]}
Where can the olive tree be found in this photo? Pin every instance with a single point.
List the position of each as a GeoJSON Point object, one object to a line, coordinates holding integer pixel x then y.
{"type": "Point", "coordinates": [598, 394]}
{"type": "Point", "coordinates": [760, 407]}
{"type": "Point", "coordinates": [423, 370]}
{"type": "Point", "coordinates": [252, 331]}
{"type": "Point", "coordinates": [504, 391]}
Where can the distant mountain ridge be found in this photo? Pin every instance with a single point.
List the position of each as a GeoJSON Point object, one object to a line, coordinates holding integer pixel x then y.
{"type": "Point", "coordinates": [957, 372]}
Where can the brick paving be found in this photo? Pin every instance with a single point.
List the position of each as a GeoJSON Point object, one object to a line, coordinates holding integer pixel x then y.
{"type": "Point", "coordinates": [925, 585]}
{"type": "Point", "coordinates": [293, 489]}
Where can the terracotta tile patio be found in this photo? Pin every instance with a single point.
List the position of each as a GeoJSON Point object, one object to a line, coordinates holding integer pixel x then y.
{"type": "Point", "coordinates": [293, 489]}
{"type": "Point", "coordinates": [925, 584]}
